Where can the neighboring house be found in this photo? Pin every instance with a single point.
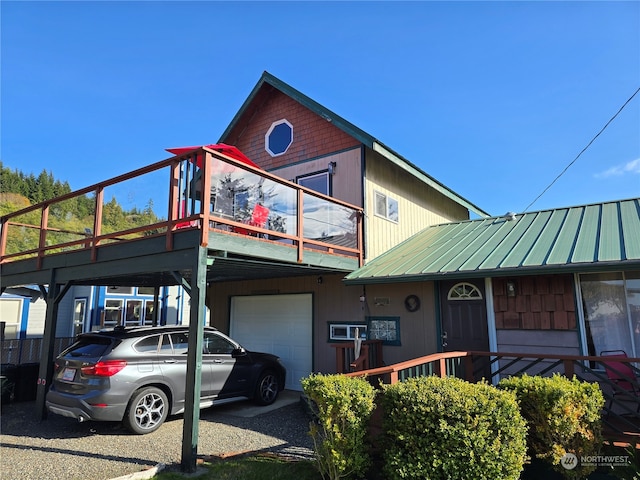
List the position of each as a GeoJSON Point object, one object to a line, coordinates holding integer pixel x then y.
{"type": "Point", "coordinates": [563, 281]}
{"type": "Point", "coordinates": [86, 308]}
{"type": "Point", "coordinates": [22, 312]}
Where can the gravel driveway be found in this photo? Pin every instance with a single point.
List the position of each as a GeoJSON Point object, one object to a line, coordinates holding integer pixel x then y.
{"type": "Point", "coordinates": [61, 448]}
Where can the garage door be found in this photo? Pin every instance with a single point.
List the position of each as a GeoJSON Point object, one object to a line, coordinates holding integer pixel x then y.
{"type": "Point", "coordinates": [278, 324]}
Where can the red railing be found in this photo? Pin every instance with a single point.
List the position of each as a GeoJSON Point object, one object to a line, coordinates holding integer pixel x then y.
{"type": "Point", "coordinates": [188, 195]}
{"type": "Point", "coordinates": [370, 356]}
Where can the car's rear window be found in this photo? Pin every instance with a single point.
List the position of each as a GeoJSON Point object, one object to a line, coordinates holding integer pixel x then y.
{"type": "Point", "coordinates": [89, 347]}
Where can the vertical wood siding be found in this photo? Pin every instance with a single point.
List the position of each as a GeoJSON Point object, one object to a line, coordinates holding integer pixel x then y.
{"type": "Point", "coordinates": [419, 206]}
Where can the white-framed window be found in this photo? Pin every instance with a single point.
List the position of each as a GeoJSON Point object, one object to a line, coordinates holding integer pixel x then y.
{"type": "Point", "coordinates": [464, 291]}
{"type": "Point", "coordinates": [386, 207]}
{"type": "Point", "coordinates": [79, 314]}
{"type": "Point", "coordinates": [134, 314]}
{"type": "Point", "coordinates": [148, 312]}
{"type": "Point", "coordinates": [113, 309]}
{"type": "Point", "coordinates": [278, 138]}
{"type": "Point", "coordinates": [347, 331]}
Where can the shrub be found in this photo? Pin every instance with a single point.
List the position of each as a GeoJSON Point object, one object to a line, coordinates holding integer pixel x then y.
{"type": "Point", "coordinates": [563, 417]}
{"type": "Point", "coordinates": [446, 428]}
{"type": "Point", "coordinates": [342, 406]}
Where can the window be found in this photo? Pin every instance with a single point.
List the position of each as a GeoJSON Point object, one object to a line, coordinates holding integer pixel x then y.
{"type": "Point", "coordinates": [215, 344]}
{"type": "Point", "coordinates": [146, 290]}
{"type": "Point", "coordinates": [112, 313]}
{"type": "Point", "coordinates": [278, 138]}
{"type": "Point", "coordinates": [134, 313]}
{"type": "Point", "coordinates": [317, 181]}
{"type": "Point", "coordinates": [386, 329]}
{"type": "Point", "coordinates": [386, 207]}
{"type": "Point", "coordinates": [611, 307]}
{"type": "Point", "coordinates": [180, 343]}
{"type": "Point", "coordinates": [79, 308]}
{"type": "Point", "coordinates": [464, 291]}
{"type": "Point", "coordinates": [347, 331]}
{"type": "Point", "coordinates": [148, 312]}
{"type": "Point", "coordinates": [149, 344]}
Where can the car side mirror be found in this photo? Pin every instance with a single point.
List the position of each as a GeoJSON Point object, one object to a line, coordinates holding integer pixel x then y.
{"type": "Point", "coordinates": [238, 352]}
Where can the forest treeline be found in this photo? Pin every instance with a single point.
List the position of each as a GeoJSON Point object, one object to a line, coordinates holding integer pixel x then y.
{"type": "Point", "coordinates": [35, 189]}
{"type": "Point", "coordinates": [19, 190]}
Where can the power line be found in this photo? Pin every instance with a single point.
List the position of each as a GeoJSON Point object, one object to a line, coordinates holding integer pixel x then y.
{"type": "Point", "coordinates": [584, 149]}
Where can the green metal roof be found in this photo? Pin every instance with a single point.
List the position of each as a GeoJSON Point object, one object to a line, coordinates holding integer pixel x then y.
{"type": "Point", "coordinates": [574, 239]}
{"type": "Point", "coordinates": [357, 133]}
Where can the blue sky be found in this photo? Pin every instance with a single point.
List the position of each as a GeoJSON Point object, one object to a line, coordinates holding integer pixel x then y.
{"type": "Point", "coordinates": [493, 99]}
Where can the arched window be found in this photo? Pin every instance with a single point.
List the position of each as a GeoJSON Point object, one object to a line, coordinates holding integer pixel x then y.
{"type": "Point", "coordinates": [464, 291]}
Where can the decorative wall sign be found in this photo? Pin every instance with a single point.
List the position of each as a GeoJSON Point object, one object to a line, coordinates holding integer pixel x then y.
{"type": "Point", "coordinates": [386, 329]}
{"type": "Point", "coordinates": [412, 303]}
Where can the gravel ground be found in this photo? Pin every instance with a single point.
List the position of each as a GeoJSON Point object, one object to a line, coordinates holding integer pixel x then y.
{"type": "Point", "coordinates": [63, 449]}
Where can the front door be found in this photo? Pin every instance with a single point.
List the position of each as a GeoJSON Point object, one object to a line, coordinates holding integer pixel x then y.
{"type": "Point", "coordinates": [464, 318]}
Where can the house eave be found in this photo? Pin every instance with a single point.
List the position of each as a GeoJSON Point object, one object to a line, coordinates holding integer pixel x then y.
{"type": "Point", "coordinates": [594, 267]}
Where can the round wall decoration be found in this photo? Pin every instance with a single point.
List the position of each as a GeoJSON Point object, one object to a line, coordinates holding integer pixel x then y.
{"type": "Point", "coordinates": [412, 303]}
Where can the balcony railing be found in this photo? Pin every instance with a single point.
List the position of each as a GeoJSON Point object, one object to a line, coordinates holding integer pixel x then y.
{"type": "Point", "coordinates": [621, 412]}
{"type": "Point", "coordinates": [203, 190]}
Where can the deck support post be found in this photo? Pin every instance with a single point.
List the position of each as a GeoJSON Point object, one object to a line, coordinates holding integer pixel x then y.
{"type": "Point", "coordinates": [194, 362]}
{"type": "Point", "coordinates": [45, 371]}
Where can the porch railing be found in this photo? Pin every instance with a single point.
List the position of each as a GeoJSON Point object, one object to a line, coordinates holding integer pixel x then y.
{"type": "Point", "coordinates": [204, 190]}
{"type": "Point", "coordinates": [621, 417]}
{"type": "Point", "coordinates": [370, 356]}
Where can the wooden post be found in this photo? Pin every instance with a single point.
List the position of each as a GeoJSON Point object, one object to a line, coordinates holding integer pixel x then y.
{"type": "Point", "coordinates": [194, 362]}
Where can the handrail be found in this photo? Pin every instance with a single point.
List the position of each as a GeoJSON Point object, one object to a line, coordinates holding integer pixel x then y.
{"type": "Point", "coordinates": [182, 170]}
{"type": "Point", "coordinates": [371, 354]}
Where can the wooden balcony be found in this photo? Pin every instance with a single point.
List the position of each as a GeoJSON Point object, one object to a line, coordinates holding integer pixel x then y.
{"type": "Point", "coordinates": [202, 198]}
{"type": "Point", "coordinates": [620, 415]}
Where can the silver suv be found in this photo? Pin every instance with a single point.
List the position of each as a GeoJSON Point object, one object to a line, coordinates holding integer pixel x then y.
{"type": "Point", "coordinates": [138, 375]}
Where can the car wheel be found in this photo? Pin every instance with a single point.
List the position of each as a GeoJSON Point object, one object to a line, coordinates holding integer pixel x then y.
{"type": "Point", "coordinates": [147, 410]}
{"type": "Point", "coordinates": [267, 388]}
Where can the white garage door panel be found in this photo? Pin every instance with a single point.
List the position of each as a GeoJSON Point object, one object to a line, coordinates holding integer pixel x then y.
{"type": "Point", "coordinates": [278, 324]}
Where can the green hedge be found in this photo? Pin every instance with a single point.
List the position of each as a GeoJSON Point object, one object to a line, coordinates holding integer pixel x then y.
{"type": "Point", "coordinates": [342, 407]}
{"type": "Point", "coordinates": [446, 428]}
{"type": "Point", "coordinates": [564, 417]}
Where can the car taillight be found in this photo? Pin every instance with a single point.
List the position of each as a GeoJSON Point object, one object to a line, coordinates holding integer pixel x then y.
{"type": "Point", "coordinates": [104, 368]}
